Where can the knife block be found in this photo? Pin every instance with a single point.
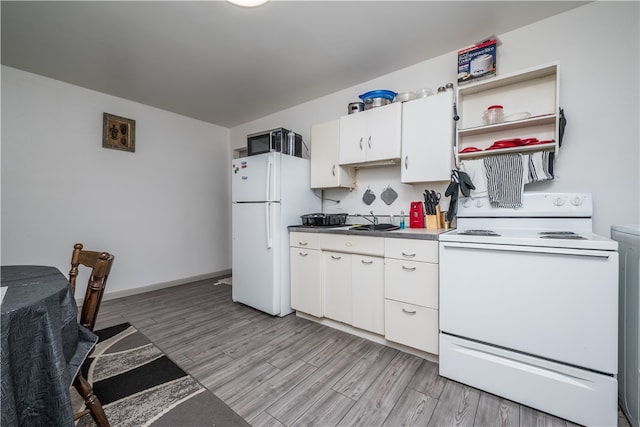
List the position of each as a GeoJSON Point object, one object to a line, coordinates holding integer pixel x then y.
{"type": "Point", "coordinates": [432, 222]}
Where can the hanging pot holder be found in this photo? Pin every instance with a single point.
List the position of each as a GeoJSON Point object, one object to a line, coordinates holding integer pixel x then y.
{"type": "Point", "coordinates": [368, 197]}
{"type": "Point", "coordinates": [389, 195]}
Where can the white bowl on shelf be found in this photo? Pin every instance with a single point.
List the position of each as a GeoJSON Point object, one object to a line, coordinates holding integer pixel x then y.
{"type": "Point", "coordinates": [405, 96]}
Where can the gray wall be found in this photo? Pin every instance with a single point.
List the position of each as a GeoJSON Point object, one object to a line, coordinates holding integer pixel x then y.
{"type": "Point", "coordinates": [162, 211]}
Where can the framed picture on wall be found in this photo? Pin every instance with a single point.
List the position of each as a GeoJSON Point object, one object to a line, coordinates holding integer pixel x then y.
{"type": "Point", "coordinates": [118, 133]}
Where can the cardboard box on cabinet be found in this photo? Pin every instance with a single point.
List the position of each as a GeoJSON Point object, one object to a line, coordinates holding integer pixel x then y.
{"type": "Point", "coordinates": [477, 62]}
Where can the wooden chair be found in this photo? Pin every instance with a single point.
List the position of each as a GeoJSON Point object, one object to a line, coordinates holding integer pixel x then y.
{"type": "Point", "coordinates": [100, 265]}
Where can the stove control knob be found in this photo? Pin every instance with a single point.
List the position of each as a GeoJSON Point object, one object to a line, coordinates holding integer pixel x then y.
{"type": "Point", "coordinates": [559, 201]}
{"type": "Point", "coordinates": [466, 203]}
{"type": "Point", "coordinates": [479, 203]}
{"type": "Point", "coordinates": [576, 201]}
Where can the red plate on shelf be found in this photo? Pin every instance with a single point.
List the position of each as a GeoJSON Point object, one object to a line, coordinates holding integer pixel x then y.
{"type": "Point", "coordinates": [516, 141]}
{"type": "Point", "coordinates": [498, 145]}
{"type": "Point", "coordinates": [470, 150]}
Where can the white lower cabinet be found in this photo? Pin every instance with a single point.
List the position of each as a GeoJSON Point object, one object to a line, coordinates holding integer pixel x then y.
{"type": "Point", "coordinates": [336, 267]}
{"type": "Point", "coordinates": [367, 293]}
{"type": "Point", "coordinates": [411, 293]}
{"type": "Point", "coordinates": [387, 286]}
{"type": "Point", "coordinates": [306, 269]}
{"type": "Point", "coordinates": [411, 325]}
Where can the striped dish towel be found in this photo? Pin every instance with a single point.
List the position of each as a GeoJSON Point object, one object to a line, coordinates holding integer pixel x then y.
{"type": "Point", "coordinates": [540, 166]}
{"type": "Point", "coordinates": [505, 180]}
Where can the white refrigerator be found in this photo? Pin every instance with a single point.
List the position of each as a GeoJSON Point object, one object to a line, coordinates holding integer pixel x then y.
{"type": "Point", "coordinates": [269, 192]}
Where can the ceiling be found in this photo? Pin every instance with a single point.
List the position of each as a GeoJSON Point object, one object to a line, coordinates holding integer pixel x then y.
{"type": "Point", "coordinates": [228, 65]}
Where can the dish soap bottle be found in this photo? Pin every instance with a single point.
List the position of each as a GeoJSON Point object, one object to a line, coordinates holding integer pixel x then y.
{"type": "Point", "coordinates": [401, 220]}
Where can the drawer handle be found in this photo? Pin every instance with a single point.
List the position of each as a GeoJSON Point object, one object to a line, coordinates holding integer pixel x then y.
{"type": "Point", "coordinates": [408, 268]}
{"type": "Point", "coordinates": [303, 243]}
{"type": "Point", "coordinates": [406, 255]}
{"type": "Point", "coordinates": [366, 262]}
{"type": "Point", "coordinates": [411, 312]}
{"type": "Point", "coordinates": [335, 257]}
{"type": "Point", "coordinates": [303, 253]}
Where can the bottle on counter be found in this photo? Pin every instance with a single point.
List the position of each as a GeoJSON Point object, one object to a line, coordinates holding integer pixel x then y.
{"type": "Point", "coordinates": [402, 220]}
{"type": "Point", "coordinates": [291, 143]}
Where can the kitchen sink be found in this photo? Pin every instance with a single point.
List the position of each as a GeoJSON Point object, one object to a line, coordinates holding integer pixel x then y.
{"type": "Point", "coordinates": [375, 227]}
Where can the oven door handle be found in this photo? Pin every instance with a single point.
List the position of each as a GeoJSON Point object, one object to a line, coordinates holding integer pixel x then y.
{"type": "Point", "coordinates": [529, 249]}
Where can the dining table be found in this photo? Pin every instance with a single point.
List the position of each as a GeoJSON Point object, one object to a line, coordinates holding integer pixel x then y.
{"type": "Point", "coordinates": [43, 346]}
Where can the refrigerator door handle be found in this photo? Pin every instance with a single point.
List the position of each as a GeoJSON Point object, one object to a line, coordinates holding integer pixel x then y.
{"type": "Point", "coordinates": [267, 215]}
{"type": "Point", "coordinates": [269, 178]}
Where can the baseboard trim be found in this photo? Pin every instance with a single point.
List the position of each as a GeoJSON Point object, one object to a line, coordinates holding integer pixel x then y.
{"type": "Point", "coordinates": [134, 291]}
{"type": "Point", "coordinates": [369, 336]}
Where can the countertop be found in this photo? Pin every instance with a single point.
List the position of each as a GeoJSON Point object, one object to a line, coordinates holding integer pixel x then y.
{"type": "Point", "coordinates": [407, 233]}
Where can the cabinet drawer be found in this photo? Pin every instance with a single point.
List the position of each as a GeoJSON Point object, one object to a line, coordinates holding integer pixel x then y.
{"type": "Point", "coordinates": [352, 244]}
{"type": "Point", "coordinates": [304, 240]}
{"type": "Point", "coordinates": [411, 325]}
{"type": "Point", "coordinates": [411, 249]}
{"type": "Point", "coordinates": [411, 282]}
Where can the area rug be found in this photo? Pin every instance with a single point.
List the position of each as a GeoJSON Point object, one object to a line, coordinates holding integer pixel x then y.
{"type": "Point", "coordinates": [138, 385]}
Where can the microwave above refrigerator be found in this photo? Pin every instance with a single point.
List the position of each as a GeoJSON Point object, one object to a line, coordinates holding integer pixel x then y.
{"type": "Point", "coordinates": [276, 140]}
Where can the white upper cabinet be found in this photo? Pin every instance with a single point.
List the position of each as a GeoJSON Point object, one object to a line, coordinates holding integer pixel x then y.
{"type": "Point", "coordinates": [371, 137]}
{"type": "Point", "coordinates": [427, 138]}
{"type": "Point", "coordinates": [325, 150]}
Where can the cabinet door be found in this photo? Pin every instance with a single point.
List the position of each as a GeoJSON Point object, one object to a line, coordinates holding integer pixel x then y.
{"type": "Point", "coordinates": [427, 138]}
{"type": "Point", "coordinates": [367, 291]}
{"type": "Point", "coordinates": [336, 274]}
{"type": "Point", "coordinates": [306, 283]}
{"type": "Point", "coordinates": [384, 127]}
{"type": "Point", "coordinates": [325, 150]}
{"type": "Point", "coordinates": [353, 130]}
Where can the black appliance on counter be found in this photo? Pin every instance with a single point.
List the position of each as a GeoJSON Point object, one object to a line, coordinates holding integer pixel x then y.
{"type": "Point", "coordinates": [324, 220]}
{"type": "Point", "coordinates": [275, 140]}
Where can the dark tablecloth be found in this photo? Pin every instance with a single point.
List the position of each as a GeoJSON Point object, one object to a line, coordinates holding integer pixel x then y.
{"type": "Point", "coordinates": [43, 346]}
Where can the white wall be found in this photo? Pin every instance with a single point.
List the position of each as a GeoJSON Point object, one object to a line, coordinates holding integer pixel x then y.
{"type": "Point", "coordinates": [162, 211]}
{"type": "Point", "coordinates": [597, 47]}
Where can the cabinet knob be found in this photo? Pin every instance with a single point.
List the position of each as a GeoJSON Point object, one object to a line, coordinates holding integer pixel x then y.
{"type": "Point", "coordinates": [369, 142]}
{"type": "Point", "coordinates": [303, 243]}
{"type": "Point", "coordinates": [336, 257]}
{"type": "Point", "coordinates": [406, 255]}
{"type": "Point", "coordinates": [408, 268]}
{"type": "Point", "coordinates": [303, 253]}
{"type": "Point", "coordinates": [406, 162]}
{"type": "Point", "coordinates": [361, 144]}
{"type": "Point", "coordinates": [366, 262]}
{"type": "Point", "coordinates": [412, 312]}
{"type": "Point", "coordinates": [333, 170]}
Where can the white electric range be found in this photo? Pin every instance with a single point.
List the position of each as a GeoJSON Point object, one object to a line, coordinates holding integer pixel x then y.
{"type": "Point", "coordinates": [529, 305]}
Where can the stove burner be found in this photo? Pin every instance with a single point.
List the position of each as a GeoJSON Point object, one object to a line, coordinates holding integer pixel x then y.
{"type": "Point", "coordinates": [557, 232]}
{"type": "Point", "coordinates": [479, 233]}
{"type": "Point", "coordinates": [568, 236]}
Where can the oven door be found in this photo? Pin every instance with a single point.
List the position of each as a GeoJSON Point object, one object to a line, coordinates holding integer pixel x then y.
{"type": "Point", "coordinates": [556, 303]}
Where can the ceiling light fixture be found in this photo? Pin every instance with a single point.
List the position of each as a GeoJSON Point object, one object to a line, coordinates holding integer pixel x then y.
{"type": "Point", "coordinates": [248, 3]}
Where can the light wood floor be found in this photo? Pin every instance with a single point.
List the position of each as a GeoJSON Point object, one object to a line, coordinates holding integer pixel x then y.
{"type": "Point", "coordinates": [293, 372]}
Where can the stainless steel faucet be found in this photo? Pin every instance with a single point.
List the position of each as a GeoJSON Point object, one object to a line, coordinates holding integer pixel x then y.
{"type": "Point", "coordinates": [375, 218]}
